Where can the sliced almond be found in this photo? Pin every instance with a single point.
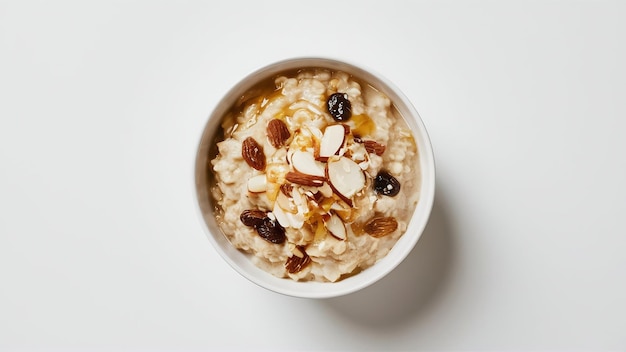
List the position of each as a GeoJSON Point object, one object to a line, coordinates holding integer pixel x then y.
{"type": "Point", "coordinates": [286, 188]}
{"type": "Point", "coordinates": [332, 140]}
{"type": "Point", "coordinates": [317, 196]}
{"type": "Point", "coordinates": [296, 250]}
{"type": "Point", "coordinates": [374, 147]}
{"type": "Point", "coordinates": [304, 179]}
{"type": "Point", "coordinates": [325, 190]}
{"type": "Point", "coordinates": [336, 227]}
{"type": "Point", "coordinates": [257, 184]}
{"type": "Point", "coordinates": [345, 177]}
{"type": "Point", "coordinates": [281, 216]}
{"type": "Point", "coordinates": [296, 262]}
{"type": "Point", "coordinates": [304, 162]}
{"type": "Point", "coordinates": [296, 220]}
{"type": "Point", "coordinates": [286, 203]}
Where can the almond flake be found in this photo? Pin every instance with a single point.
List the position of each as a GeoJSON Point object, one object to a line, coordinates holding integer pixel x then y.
{"type": "Point", "coordinates": [296, 263]}
{"type": "Point", "coordinates": [304, 179]}
{"type": "Point", "coordinates": [374, 147]}
{"type": "Point", "coordinates": [286, 188]}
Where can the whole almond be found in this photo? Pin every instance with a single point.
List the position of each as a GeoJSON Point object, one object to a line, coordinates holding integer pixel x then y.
{"type": "Point", "coordinates": [381, 226]}
{"type": "Point", "coordinates": [253, 154]}
{"type": "Point", "coordinates": [304, 179]}
{"type": "Point", "coordinates": [277, 133]}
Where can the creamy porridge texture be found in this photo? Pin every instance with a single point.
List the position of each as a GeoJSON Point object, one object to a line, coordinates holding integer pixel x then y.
{"type": "Point", "coordinates": [316, 175]}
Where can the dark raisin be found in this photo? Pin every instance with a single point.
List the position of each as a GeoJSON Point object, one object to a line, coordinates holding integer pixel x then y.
{"type": "Point", "coordinates": [386, 184]}
{"type": "Point", "coordinates": [271, 231]}
{"type": "Point", "coordinates": [339, 106]}
{"type": "Point", "coordinates": [253, 217]}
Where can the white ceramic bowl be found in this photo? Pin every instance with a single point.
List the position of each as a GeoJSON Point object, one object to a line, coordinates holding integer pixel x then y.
{"type": "Point", "coordinates": [240, 261]}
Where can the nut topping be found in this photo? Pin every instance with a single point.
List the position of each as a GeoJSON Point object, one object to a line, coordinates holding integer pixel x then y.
{"type": "Point", "coordinates": [277, 133]}
{"type": "Point", "coordinates": [253, 154]}
{"type": "Point", "coordinates": [286, 188]}
{"type": "Point", "coordinates": [332, 140]}
{"type": "Point", "coordinates": [257, 184]}
{"type": "Point", "coordinates": [374, 147]}
{"type": "Point", "coordinates": [304, 179]}
{"type": "Point", "coordinates": [320, 205]}
{"type": "Point", "coordinates": [381, 226]}
{"type": "Point", "coordinates": [296, 263]}
{"type": "Point", "coordinates": [345, 177]}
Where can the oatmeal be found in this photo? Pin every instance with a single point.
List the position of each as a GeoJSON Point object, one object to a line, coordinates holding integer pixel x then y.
{"type": "Point", "coordinates": [316, 175]}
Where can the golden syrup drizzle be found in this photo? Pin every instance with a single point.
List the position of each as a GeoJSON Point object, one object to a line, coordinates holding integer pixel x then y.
{"type": "Point", "coordinates": [364, 125]}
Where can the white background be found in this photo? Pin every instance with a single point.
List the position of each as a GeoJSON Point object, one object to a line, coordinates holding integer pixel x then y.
{"type": "Point", "coordinates": [101, 109]}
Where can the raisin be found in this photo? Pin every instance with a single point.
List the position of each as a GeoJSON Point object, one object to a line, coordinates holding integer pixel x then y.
{"type": "Point", "coordinates": [381, 226]}
{"type": "Point", "coordinates": [253, 154]}
{"type": "Point", "coordinates": [386, 184]}
{"type": "Point", "coordinates": [252, 217]}
{"type": "Point", "coordinates": [277, 133]}
{"type": "Point", "coordinates": [339, 106]}
{"type": "Point", "coordinates": [271, 231]}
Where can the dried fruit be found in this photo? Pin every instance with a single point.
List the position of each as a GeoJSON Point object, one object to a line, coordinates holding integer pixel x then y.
{"type": "Point", "coordinates": [374, 147]}
{"type": "Point", "coordinates": [296, 263]}
{"type": "Point", "coordinates": [277, 133]}
{"type": "Point", "coordinates": [271, 231]}
{"type": "Point", "coordinates": [253, 154]}
{"type": "Point", "coordinates": [339, 106]}
{"type": "Point", "coordinates": [252, 217]}
{"type": "Point", "coordinates": [381, 226]}
{"type": "Point", "coordinates": [304, 179]}
{"type": "Point", "coordinates": [386, 184]}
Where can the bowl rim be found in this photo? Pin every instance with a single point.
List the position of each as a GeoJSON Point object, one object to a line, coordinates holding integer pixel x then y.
{"type": "Point", "coordinates": [419, 219]}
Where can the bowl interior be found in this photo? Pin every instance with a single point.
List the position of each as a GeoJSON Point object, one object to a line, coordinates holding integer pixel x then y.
{"type": "Point", "coordinates": [239, 260]}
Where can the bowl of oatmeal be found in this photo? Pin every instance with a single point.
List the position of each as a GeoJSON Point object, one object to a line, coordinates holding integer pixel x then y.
{"type": "Point", "coordinates": [314, 177]}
